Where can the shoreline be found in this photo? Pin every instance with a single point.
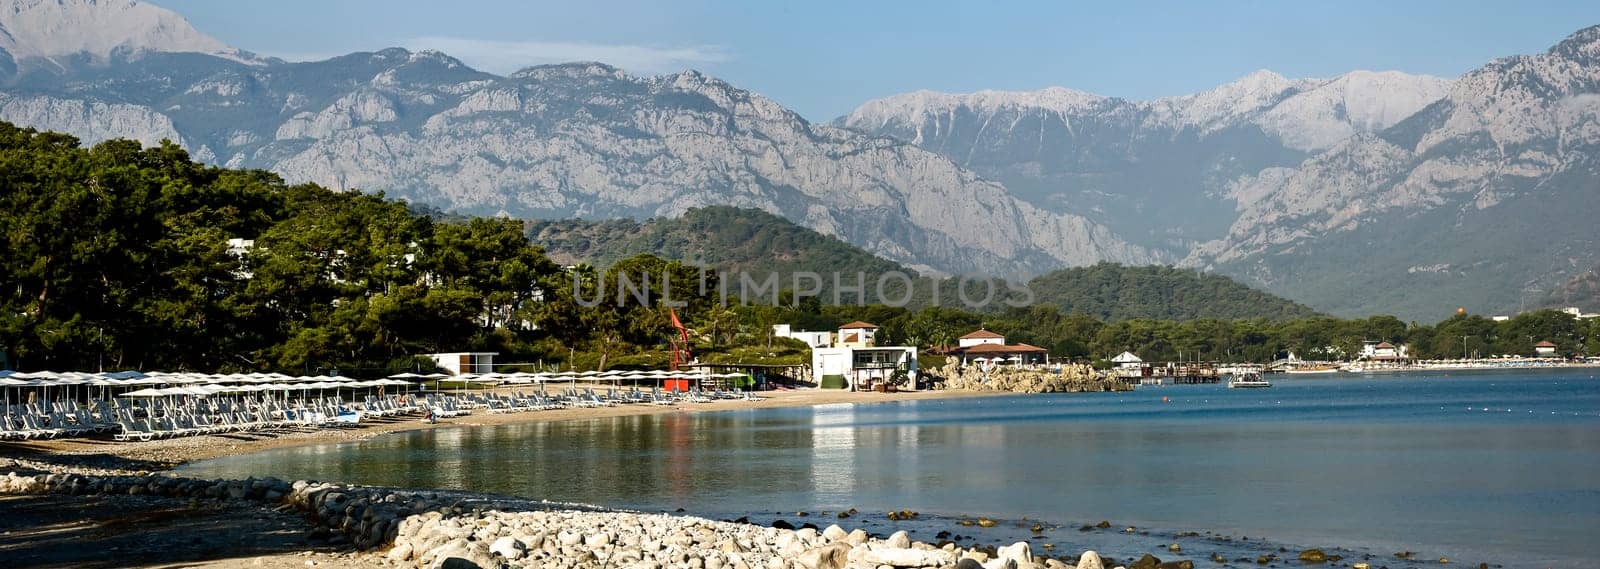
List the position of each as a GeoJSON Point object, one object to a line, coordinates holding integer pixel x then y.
{"type": "Point", "coordinates": [100, 455]}
{"type": "Point", "coordinates": [104, 457]}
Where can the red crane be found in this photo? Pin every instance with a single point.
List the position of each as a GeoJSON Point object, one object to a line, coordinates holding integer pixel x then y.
{"type": "Point", "coordinates": [680, 351]}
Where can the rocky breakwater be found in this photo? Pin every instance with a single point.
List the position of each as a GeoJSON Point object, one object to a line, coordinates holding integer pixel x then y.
{"type": "Point", "coordinates": [1067, 378]}
{"type": "Point", "coordinates": [426, 529]}
{"type": "Point", "coordinates": [570, 539]}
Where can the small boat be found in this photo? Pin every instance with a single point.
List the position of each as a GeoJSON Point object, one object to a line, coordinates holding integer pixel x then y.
{"type": "Point", "coordinates": [1248, 380]}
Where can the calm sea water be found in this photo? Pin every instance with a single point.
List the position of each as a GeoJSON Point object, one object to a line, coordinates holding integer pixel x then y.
{"type": "Point", "coordinates": [1501, 467]}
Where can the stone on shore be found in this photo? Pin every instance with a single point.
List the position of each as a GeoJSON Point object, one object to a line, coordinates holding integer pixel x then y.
{"type": "Point", "coordinates": [856, 537]}
{"type": "Point", "coordinates": [507, 547]}
{"type": "Point", "coordinates": [1090, 560]}
{"type": "Point", "coordinates": [898, 540]}
{"type": "Point", "coordinates": [901, 557]}
{"type": "Point", "coordinates": [834, 533]}
{"type": "Point", "coordinates": [1020, 552]}
{"type": "Point", "coordinates": [834, 556]}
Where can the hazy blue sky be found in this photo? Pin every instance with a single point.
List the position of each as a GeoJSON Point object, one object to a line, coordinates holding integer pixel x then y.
{"type": "Point", "coordinates": [822, 58]}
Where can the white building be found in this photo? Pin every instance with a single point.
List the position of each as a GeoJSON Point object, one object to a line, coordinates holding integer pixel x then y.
{"type": "Point", "coordinates": [1579, 314]}
{"type": "Point", "coordinates": [1545, 348]}
{"type": "Point", "coordinates": [859, 368]}
{"type": "Point", "coordinates": [1129, 365]}
{"type": "Point", "coordinates": [457, 363]}
{"type": "Point", "coordinates": [855, 361]}
{"type": "Point", "coordinates": [812, 339]}
{"type": "Point", "coordinates": [856, 334]}
{"type": "Point", "coordinates": [1382, 351]}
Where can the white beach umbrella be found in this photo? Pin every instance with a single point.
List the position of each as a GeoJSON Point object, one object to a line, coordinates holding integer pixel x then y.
{"type": "Point", "coordinates": [146, 392]}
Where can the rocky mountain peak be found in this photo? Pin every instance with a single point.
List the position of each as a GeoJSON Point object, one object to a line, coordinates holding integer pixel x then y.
{"type": "Point", "coordinates": [101, 29]}
{"type": "Point", "coordinates": [914, 106]}
{"type": "Point", "coordinates": [1227, 102]}
{"type": "Point", "coordinates": [575, 70]}
{"type": "Point", "coordinates": [1582, 44]}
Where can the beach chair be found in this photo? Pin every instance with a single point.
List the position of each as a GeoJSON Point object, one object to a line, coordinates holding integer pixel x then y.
{"type": "Point", "coordinates": [38, 428]}
{"type": "Point", "coordinates": [131, 430]}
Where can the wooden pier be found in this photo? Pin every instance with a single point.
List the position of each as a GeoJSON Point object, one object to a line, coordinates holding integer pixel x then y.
{"type": "Point", "coordinates": [1179, 373]}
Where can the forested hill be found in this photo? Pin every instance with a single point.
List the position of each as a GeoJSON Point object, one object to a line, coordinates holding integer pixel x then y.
{"type": "Point", "coordinates": [727, 238]}
{"type": "Point", "coordinates": [1114, 292]}
{"type": "Point", "coordinates": [734, 239]}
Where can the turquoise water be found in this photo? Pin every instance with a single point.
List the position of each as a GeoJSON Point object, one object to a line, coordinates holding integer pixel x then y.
{"type": "Point", "coordinates": [1500, 467]}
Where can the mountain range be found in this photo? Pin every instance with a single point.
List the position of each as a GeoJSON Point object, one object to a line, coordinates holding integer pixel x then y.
{"type": "Point", "coordinates": [1366, 192]}
{"type": "Point", "coordinates": [1157, 172]}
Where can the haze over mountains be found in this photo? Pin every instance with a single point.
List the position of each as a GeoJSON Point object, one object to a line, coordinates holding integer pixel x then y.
{"type": "Point", "coordinates": [1366, 192]}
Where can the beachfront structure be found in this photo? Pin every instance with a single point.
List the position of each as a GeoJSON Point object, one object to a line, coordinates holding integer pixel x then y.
{"type": "Point", "coordinates": [860, 368]}
{"type": "Point", "coordinates": [987, 348]}
{"type": "Point", "coordinates": [980, 337]}
{"type": "Point", "coordinates": [812, 339]}
{"type": "Point", "coordinates": [1382, 352]}
{"type": "Point", "coordinates": [1003, 354]}
{"type": "Point", "coordinates": [856, 334]}
{"type": "Point", "coordinates": [1129, 365]}
{"type": "Point", "coordinates": [457, 363]}
{"type": "Point", "coordinates": [1545, 348]}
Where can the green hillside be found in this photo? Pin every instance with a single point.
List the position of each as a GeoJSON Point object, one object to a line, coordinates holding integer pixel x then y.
{"type": "Point", "coordinates": [1581, 290]}
{"type": "Point", "coordinates": [759, 243]}
{"type": "Point", "coordinates": [1113, 292]}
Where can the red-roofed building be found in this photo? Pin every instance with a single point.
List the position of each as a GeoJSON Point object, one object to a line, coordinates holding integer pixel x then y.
{"type": "Point", "coordinates": [1545, 348]}
{"type": "Point", "coordinates": [856, 334]}
{"type": "Point", "coordinates": [980, 337]}
{"type": "Point", "coordinates": [987, 347]}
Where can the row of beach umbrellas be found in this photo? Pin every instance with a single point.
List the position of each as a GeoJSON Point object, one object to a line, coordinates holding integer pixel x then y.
{"type": "Point", "coordinates": [165, 384]}
{"type": "Point", "coordinates": [214, 389]}
{"type": "Point", "coordinates": [524, 378]}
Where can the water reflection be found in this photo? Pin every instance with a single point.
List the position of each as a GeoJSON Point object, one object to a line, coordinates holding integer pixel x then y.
{"type": "Point", "coordinates": [1381, 462]}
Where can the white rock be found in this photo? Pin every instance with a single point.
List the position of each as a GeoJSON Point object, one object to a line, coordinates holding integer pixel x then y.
{"type": "Point", "coordinates": [601, 539]}
{"type": "Point", "coordinates": [1090, 560]}
{"type": "Point", "coordinates": [1019, 552]}
{"type": "Point", "coordinates": [901, 557]}
{"type": "Point", "coordinates": [857, 537]}
{"type": "Point", "coordinates": [827, 557]}
{"type": "Point", "coordinates": [834, 533]}
{"type": "Point", "coordinates": [507, 547]}
{"type": "Point", "coordinates": [400, 552]}
{"type": "Point", "coordinates": [898, 540]}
